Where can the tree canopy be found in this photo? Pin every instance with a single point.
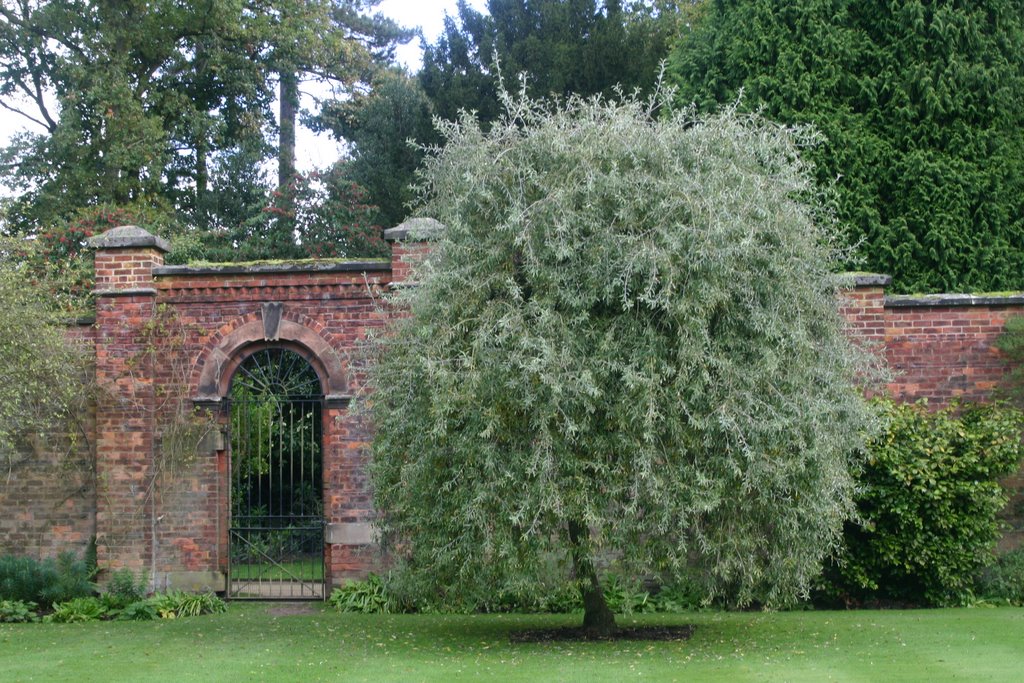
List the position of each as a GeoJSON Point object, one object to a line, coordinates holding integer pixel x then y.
{"type": "Point", "coordinates": [922, 108]}
{"type": "Point", "coordinates": [169, 105]}
{"type": "Point", "coordinates": [379, 126]}
{"type": "Point", "coordinates": [623, 347]}
{"type": "Point", "coordinates": [583, 47]}
{"type": "Point", "coordinates": [46, 383]}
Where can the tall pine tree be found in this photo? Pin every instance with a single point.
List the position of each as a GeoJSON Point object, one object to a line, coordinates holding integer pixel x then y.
{"type": "Point", "coordinates": [583, 47]}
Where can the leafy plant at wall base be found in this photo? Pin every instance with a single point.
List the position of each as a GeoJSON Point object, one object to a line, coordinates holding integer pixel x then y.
{"type": "Point", "coordinates": [124, 588]}
{"type": "Point", "coordinates": [77, 611]}
{"type": "Point", "coordinates": [1004, 579]}
{"type": "Point", "coordinates": [24, 578]}
{"type": "Point", "coordinates": [173, 604]}
{"type": "Point", "coordinates": [138, 611]}
{"type": "Point", "coordinates": [363, 597]}
{"type": "Point", "coordinates": [17, 611]}
{"type": "Point", "coordinates": [625, 598]}
{"type": "Point", "coordinates": [44, 581]}
{"type": "Point", "coordinates": [928, 500]}
{"type": "Point", "coordinates": [74, 579]}
{"type": "Point", "coordinates": [680, 596]}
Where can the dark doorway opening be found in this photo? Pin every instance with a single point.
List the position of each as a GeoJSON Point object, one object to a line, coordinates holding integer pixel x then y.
{"type": "Point", "coordinates": [276, 529]}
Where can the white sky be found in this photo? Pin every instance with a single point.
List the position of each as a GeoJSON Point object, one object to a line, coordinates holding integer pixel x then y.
{"type": "Point", "coordinates": [319, 151]}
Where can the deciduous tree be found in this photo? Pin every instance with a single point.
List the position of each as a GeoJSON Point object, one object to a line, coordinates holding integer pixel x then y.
{"type": "Point", "coordinates": [46, 385]}
{"type": "Point", "coordinates": [624, 348]}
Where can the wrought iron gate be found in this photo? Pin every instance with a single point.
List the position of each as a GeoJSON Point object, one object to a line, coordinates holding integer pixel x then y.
{"type": "Point", "coordinates": [276, 532]}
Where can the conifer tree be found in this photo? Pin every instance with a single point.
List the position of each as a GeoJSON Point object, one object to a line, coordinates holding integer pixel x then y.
{"type": "Point", "coordinates": [922, 107]}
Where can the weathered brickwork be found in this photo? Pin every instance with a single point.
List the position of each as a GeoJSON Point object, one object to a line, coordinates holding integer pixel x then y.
{"type": "Point", "coordinates": [221, 313]}
{"type": "Point", "coordinates": [49, 496]}
{"type": "Point", "coordinates": [168, 338]}
{"type": "Point", "coordinates": [938, 347]}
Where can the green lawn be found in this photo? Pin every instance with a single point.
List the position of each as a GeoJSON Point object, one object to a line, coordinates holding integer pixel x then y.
{"type": "Point", "coordinates": [249, 643]}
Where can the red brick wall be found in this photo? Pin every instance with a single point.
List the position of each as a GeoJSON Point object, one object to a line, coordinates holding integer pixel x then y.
{"type": "Point", "coordinates": [146, 516]}
{"type": "Point", "coordinates": [49, 498]}
{"type": "Point", "coordinates": [338, 306]}
{"type": "Point", "coordinates": [938, 347]}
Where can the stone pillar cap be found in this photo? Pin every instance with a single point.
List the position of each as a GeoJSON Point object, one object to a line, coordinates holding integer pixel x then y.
{"type": "Point", "coordinates": [128, 237]}
{"type": "Point", "coordinates": [415, 230]}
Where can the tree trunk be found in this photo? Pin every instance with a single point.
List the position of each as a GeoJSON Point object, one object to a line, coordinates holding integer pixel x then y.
{"type": "Point", "coordinates": [289, 95]}
{"type": "Point", "coordinates": [598, 620]}
{"type": "Point", "coordinates": [202, 177]}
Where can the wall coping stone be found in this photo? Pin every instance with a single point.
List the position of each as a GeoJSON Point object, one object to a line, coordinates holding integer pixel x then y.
{"type": "Point", "coordinates": [415, 230]}
{"type": "Point", "coordinates": [131, 291]}
{"type": "Point", "coordinates": [936, 300]}
{"type": "Point", "coordinates": [863, 280]}
{"type": "Point", "coordinates": [273, 268]}
{"type": "Point", "coordinates": [128, 237]}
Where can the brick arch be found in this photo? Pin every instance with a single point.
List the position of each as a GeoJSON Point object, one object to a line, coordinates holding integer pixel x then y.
{"type": "Point", "coordinates": [220, 362]}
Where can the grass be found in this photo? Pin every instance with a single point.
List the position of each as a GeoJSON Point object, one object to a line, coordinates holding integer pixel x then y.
{"type": "Point", "coordinates": [250, 643]}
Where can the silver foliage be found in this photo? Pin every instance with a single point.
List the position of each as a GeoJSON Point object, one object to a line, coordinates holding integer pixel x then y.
{"type": "Point", "coordinates": [631, 320]}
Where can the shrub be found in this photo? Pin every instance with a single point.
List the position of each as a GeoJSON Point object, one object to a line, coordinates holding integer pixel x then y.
{"type": "Point", "coordinates": [928, 500]}
{"type": "Point", "coordinates": [74, 580]}
{"type": "Point", "coordinates": [625, 597]}
{"type": "Point", "coordinates": [560, 600]}
{"type": "Point", "coordinates": [23, 578]}
{"type": "Point", "coordinates": [77, 611]}
{"type": "Point", "coordinates": [173, 604]}
{"type": "Point", "coordinates": [138, 611]}
{"type": "Point", "coordinates": [1004, 579]}
{"type": "Point", "coordinates": [124, 588]}
{"type": "Point", "coordinates": [17, 611]}
{"type": "Point", "coordinates": [44, 581]}
{"type": "Point", "coordinates": [363, 597]}
{"type": "Point", "coordinates": [680, 596]}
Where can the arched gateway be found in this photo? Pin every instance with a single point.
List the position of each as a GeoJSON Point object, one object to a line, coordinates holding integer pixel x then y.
{"type": "Point", "coordinates": [275, 455]}
{"type": "Point", "coordinates": [264, 358]}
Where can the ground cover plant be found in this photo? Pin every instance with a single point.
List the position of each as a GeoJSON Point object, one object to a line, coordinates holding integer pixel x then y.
{"type": "Point", "coordinates": [625, 344]}
{"type": "Point", "coordinates": [314, 643]}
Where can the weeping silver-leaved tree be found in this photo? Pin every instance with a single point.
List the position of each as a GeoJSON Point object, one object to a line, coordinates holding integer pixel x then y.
{"type": "Point", "coordinates": [624, 351]}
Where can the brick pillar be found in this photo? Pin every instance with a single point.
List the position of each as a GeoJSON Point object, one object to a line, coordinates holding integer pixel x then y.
{"type": "Point", "coordinates": [410, 242]}
{"type": "Point", "coordinates": [863, 306]}
{"type": "Point", "coordinates": [125, 302]}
